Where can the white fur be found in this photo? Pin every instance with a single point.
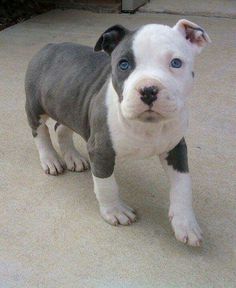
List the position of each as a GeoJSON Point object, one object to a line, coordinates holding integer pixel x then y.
{"type": "Point", "coordinates": [112, 208]}
{"type": "Point", "coordinates": [74, 161]}
{"type": "Point", "coordinates": [199, 38]}
{"type": "Point", "coordinates": [181, 213]}
{"type": "Point", "coordinates": [49, 159]}
{"type": "Point", "coordinates": [136, 139]}
{"type": "Point", "coordinates": [154, 46]}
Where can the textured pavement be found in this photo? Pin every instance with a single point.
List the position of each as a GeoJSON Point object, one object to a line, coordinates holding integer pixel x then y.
{"type": "Point", "coordinates": [51, 234]}
{"type": "Point", "coordinates": [215, 8]}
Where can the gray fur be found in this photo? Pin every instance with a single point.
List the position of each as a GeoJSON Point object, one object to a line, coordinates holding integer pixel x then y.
{"type": "Point", "coordinates": [178, 157]}
{"type": "Point", "coordinates": [123, 51]}
{"type": "Point", "coordinates": [56, 126]}
{"type": "Point", "coordinates": [101, 153]}
{"type": "Point", "coordinates": [110, 38]}
{"type": "Point", "coordinates": [108, 42]}
{"type": "Point", "coordinates": [63, 81]}
{"type": "Point", "coordinates": [68, 82]}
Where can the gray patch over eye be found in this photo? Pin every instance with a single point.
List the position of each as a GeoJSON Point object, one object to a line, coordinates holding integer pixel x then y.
{"type": "Point", "coordinates": [123, 51]}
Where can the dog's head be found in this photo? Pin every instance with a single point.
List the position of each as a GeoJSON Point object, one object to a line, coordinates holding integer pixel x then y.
{"type": "Point", "coordinates": [152, 67]}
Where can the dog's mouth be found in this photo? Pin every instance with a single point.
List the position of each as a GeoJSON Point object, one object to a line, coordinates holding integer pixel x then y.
{"type": "Point", "coordinates": [150, 116]}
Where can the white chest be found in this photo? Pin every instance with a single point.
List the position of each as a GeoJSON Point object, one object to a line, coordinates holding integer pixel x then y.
{"type": "Point", "coordinates": [136, 139]}
{"type": "Point", "coordinates": [143, 140]}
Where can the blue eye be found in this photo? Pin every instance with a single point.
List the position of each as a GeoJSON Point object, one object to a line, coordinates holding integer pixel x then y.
{"type": "Point", "coordinates": [176, 63]}
{"type": "Point", "coordinates": [124, 65]}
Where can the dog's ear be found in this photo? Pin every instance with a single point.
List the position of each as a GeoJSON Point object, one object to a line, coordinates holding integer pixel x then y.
{"type": "Point", "coordinates": [193, 33]}
{"type": "Point", "coordinates": [111, 38]}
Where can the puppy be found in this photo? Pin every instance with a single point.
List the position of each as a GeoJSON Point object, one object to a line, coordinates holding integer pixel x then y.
{"type": "Point", "coordinates": [127, 99]}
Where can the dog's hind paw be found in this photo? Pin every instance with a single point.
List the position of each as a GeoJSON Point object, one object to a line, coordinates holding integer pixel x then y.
{"type": "Point", "coordinates": [52, 165]}
{"type": "Point", "coordinates": [75, 162]}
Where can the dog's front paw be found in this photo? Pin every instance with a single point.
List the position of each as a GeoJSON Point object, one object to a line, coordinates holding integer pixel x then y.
{"type": "Point", "coordinates": [75, 162]}
{"type": "Point", "coordinates": [117, 214]}
{"type": "Point", "coordinates": [186, 228]}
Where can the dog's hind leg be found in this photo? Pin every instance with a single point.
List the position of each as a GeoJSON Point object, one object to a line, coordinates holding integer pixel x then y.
{"type": "Point", "coordinates": [49, 159]}
{"type": "Point", "coordinates": [74, 161]}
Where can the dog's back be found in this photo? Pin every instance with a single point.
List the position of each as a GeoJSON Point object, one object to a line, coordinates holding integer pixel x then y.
{"type": "Point", "coordinates": [63, 76]}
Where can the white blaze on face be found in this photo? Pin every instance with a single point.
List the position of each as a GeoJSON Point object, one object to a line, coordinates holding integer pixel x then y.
{"type": "Point", "coordinates": [154, 46]}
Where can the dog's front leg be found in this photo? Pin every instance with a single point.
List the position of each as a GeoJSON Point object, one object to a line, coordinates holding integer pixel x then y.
{"type": "Point", "coordinates": [112, 208]}
{"type": "Point", "coordinates": [181, 213]}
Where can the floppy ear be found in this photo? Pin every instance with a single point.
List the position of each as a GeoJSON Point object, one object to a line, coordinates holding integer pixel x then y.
{"type": "Point", "coordinates": [111, 38]}
{"type": "Point", "coordinates": [193, 33]}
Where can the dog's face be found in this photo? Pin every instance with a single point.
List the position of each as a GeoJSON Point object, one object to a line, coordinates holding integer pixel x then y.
{"type": "Point", "coordinates": [152, 67]}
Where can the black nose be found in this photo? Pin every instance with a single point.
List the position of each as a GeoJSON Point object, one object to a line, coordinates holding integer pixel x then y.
{"type": "Point", "coordinates": [149, 94]}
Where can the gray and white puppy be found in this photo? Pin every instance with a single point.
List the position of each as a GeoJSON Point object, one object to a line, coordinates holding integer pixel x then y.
{"type": "Point", "coordinates": [128, 100]}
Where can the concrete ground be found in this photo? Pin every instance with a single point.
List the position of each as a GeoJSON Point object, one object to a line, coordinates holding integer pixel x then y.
{"type": "Point", "coordinates": [51, 232]}
{"type": "Point", "coordinates": [216, 8]}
